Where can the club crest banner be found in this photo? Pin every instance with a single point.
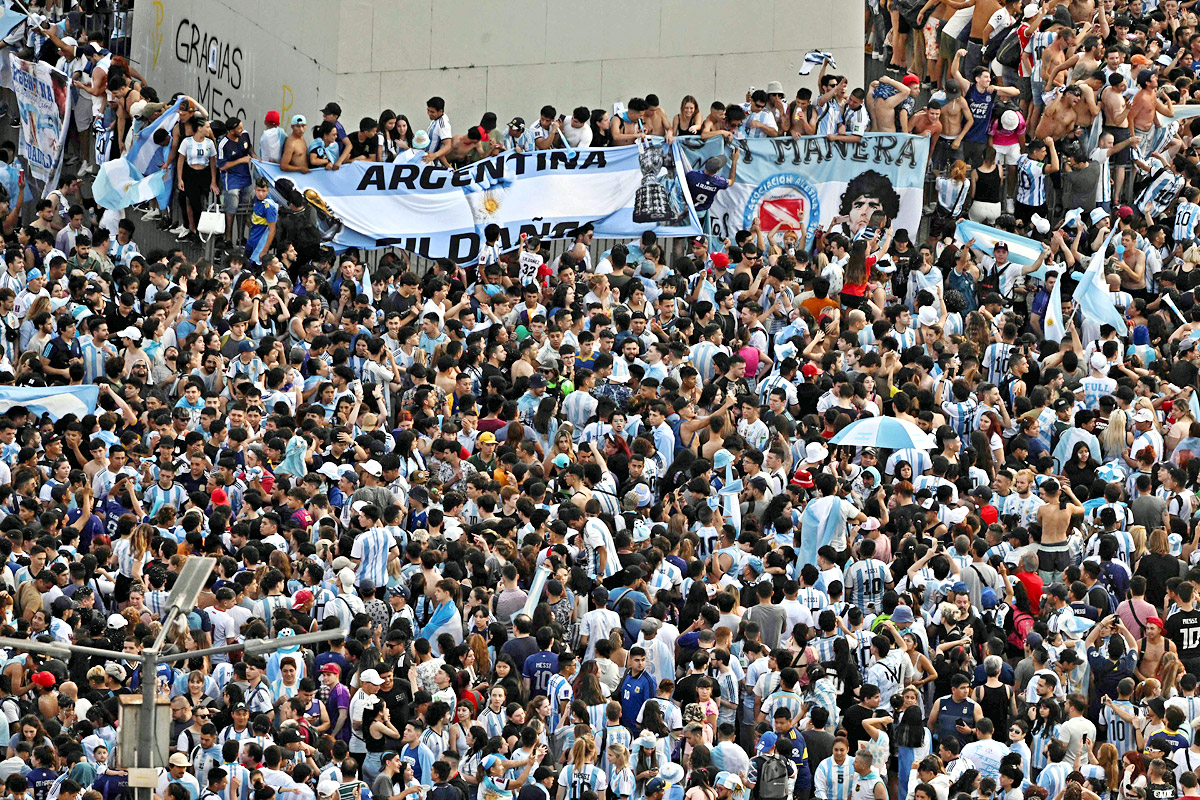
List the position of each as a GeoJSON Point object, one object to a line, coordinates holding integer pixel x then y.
{"type": "Point", "coordinates": [44, 101]}
{"type": "Point", "coordinates": [442, 213]}
{"type": "Point", "coordinates": [814, 181]}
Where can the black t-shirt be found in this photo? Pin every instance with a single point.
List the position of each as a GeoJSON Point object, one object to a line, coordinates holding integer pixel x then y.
{"type": "Point", "coordinates": [1184, 373]}
{"type": "Point", "coordinates": [1160, 791]}
{"type": "Point", "coordinates": [852, 721]}
{"type": "Point", "coordinates": [367, 148]}
{"type": "Point", "coordinates": [1183, 628]}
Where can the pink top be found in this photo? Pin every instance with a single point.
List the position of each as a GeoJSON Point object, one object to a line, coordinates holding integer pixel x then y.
{"type": "Point", "coordinates": [1003, 138]}
{"type": "Point", "coordinates": [751, 355]}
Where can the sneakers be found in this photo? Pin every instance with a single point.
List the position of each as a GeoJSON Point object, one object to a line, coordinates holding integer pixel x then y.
{"type": "Point", "coordinates": [180, 231]}
{"type": "Point", "coordinates": [151, 214]}
{"type": "Point", "coordinates": [1009, 206]}
{"type": "Point", "coordinates": [86, 169]}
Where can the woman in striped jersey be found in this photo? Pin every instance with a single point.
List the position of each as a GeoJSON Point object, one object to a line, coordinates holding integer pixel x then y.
{"type": "Point", "coordinates": [1043, 730]}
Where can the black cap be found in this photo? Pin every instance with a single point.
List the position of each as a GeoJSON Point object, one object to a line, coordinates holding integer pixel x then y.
{"type": "Point", "coordinates": [332, 108]}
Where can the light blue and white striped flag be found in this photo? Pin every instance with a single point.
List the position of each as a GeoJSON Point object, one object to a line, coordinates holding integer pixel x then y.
{"type": "Point", "coordinates": [57, 401]}
{"type": "Point", "coordinates": [1092, 295]}
{"type": "Point", "coordinates": [821, 522]}
{"type": "Point", "coordinates": [119, 185]}
{"type": "Point", "coordinates": [1055, 326]}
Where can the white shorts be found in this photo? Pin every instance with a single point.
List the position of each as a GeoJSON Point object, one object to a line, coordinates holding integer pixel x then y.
{"type": "Point", "coordinates": [1007, 155]}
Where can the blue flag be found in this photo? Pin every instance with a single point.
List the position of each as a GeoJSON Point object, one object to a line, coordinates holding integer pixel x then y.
{"type": "Point", "coordinates": [57, 401]}
{"type": "Point", "coordinates": [821, 522]}
{"type": "Point", "coordinates": [119, 185]}
{"type": "Point", "coordinates": [1092, 295]}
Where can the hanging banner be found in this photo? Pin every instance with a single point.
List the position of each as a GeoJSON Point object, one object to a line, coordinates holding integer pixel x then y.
{"type": "Point", "coordinates": [814, 181]}
{"type": "Point", "coordinates": [442, 213]}
{"type": "Point", "coordinates": [44, 100]}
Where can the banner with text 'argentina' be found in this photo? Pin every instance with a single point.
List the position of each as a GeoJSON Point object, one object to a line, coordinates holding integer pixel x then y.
{"type": "Point", "coordinates": [442, 213]}
{"type": "Point", "coordinates": [815, 182]}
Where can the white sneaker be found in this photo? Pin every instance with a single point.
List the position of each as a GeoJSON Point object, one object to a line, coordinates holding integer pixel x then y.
{"type": "Point", "coordinates": [151, 214]}
{"type": "Point", "coordinates": [180, 230]}
{"type": "Point", "coordinates": [86, 169]}
{"type": "Point", "coordinates": [184, 233]}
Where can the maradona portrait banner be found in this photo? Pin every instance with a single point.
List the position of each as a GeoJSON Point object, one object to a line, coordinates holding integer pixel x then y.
{"type": "Point", "coordinates": [815, 181]}
{"type": "Point", "coordinates": [442, 213]}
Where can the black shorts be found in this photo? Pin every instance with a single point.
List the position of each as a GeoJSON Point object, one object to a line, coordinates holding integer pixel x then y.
{"type": "Point", "coordinates": [1025, 213]}
{"type": "Point", "coordinates": [902, 26]}
{"type": "Point", "coordinates": [121, 588]}
{"type": "Point", "coordinates": [1124, 156]}
{"type": "Point", "coordinates": [1055, 559]}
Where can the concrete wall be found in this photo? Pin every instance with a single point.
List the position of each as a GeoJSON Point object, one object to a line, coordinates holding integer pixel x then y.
{"type": "Point", "coordinates": [510, 57]}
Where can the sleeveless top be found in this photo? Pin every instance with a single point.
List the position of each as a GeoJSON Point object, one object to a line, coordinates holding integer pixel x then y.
{"type": "Point", "coordinates": [996, 705]}
{"type": "Point", "coordinates": [987, 186]}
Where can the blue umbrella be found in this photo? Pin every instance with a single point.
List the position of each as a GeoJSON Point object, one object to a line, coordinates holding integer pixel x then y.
{"type": "Point", "coordinates": [889, 432]}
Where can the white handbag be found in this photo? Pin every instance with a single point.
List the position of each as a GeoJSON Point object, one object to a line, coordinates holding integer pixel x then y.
{"type": "Point", "coordinates": [211, 222]}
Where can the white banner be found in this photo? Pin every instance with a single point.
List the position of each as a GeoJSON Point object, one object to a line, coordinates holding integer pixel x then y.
{"type": "Point", "coordinates": [44, 98]}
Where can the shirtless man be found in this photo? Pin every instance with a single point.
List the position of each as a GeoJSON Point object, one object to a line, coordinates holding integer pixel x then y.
{"type": "Point", "coordinates": [1132, 264]}
{"type": "Point", "coordinates": [464, 144]}
{"type": "Point", "coordinates": [891, 114]}
{"type": "Point", "coordinates": [714, 123]}
{"type": "Point", "coordinates": [802, 114]}
{"type": "Point", "coordinates": [1061, 118]}
{"type": "Point", "coordinates": [981, 15]}
{"type": "Point", "coordinates": [1119, 123]}
{"type": "Point", "coordinates": [1085, 62]}
{"type": "Point", "coordinates": [295, 149]}
{"type": "Point", "coordinates": [956, 121]}
{"type": "Point", "coordinates": [1055, 518]}
{"type": "Point", "coordinates": [927, 121]}
{"type": "Point", "coordinates": [1147, 103]}
{"type": "Point", "coordinates": [1053, 57]}
{"type": "Point", "coordinates": [1153, 647]}
{"type": "Point", "coordinates": [945, 50]}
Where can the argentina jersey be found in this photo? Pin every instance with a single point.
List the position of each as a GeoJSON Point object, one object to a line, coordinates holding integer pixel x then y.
{"type": "Point", "coordinates": [1160, 193]}
{"type": "Point", "coordinates": [1031, 182]}
{"type": "Point", "coordinates": [1186, 217]}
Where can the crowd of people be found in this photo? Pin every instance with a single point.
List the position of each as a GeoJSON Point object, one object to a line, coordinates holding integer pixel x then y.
{"type": "Point", "coordinates": [563, 501]}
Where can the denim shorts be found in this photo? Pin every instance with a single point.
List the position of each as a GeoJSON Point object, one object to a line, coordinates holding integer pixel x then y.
{"type": "Point", "coordinates": [232, 198]}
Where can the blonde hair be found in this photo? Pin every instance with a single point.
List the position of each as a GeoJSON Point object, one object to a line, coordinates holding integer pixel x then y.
{"type": "Point", "coordinates": [1158, 542]}
{"type": "Point", "coordinates": [583, 752]}
{"type": "Point", "coordinates": [1113, 439]}
{"type": "Point", "coordinates": [1138, 534]}
{"type": "Point", "coordinates": [618, 756]}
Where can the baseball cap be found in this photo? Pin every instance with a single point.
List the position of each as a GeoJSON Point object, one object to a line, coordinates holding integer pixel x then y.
{"type": "Point", "coordinates": [537, 381]}
{"type": "Point", "coordinates": [332, 108]}
{"type": "Point", "coordinates": [487, 437]}
{"type": "Point", "coordinates": [1143, 415]}
{"type": "Point", "coordinates": [117, 621]}
{"type": "Point", "coordinates": [272, 117]}
{"type": "Point", "coordinates": [767, 742]}
{"type": "Point", "coordinates": [373, 467]}
{"type": "Point", "coordinates": [302, 597]}
{"type": "Point", "coordinates": [43, 679]}
{"type": "Point", "coordinates": [372, 677]}
{"type": "Point", "coordinates": [327, 788]}
{"type": "Point", "coordinates": [299, 119]}
{"type": "Point", "coordinates": [910, 80]}
{"type": "Point", "coordinates": [331, 668]}
{"type": "Point", "coordinates": [720, 260]}
{"type": "Point", "coordinates": [246, 347]}
{"type": "Point", "coordinates": [517, 123]}
{"type": "Point", "coordinates": [655, 785]}
{"type": "Point", "coordinates": [1033, 640]}
{"type": "Point", "coordinates": [1030, 11]}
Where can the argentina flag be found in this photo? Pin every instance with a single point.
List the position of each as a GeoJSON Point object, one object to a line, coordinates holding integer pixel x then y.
{"type": "Point", "coordinates": [146, 157]}
{"type": "Point", "coordinates": [821, 522]}
{"type": "Point", "coordinates": [57, 401]}
{"type": "Point", "coordinates": [1092, 294]}
{"type": "Point", "coordinates": [119, 185]}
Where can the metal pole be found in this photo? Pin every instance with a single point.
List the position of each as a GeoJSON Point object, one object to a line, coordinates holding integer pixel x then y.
{"type": "Point", "coordinates": [59, 650]}
{"type": "Point", "coordinates": [147, 730]}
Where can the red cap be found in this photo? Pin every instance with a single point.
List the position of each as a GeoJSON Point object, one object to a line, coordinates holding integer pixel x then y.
{"type": "Point", "coordinates": [810, 370]}
{"type": "Point", "coordinates": [720, 260]}
{"type": "Point", "coordinates": [43, 679]}
{"type": "Point", "coordinates": [803, 479]}
{"type": "Point", "coordinates": [219, 498]}
{"type": "Point", "coordinates": [1124, 212]}
{"type": "Point", "coordinates": [302, 597]}
{"type": "Point", "coordinates": [331, 668]}
{"type": "Point", "coordinates": [989, 514]}
{"type": "Point", "coordinates": [1149, 620]}
{"type": "Point", "coordinates": [910, 80]}
{"type": "Point", "coordinates": [272, 117]}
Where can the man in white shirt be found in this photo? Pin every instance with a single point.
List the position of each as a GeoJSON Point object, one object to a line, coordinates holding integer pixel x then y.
{"type": "Point", "coordinates": [597, 623]}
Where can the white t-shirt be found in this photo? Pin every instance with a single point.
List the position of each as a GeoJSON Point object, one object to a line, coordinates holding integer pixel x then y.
{"type": "Point", "coordinates": [197, 154]}
{"type": "Point", "coordinates": [578, 137]}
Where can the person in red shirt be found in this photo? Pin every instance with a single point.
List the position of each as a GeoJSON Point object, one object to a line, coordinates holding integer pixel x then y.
{"type": "Point", "coordinates": [1027, 574]}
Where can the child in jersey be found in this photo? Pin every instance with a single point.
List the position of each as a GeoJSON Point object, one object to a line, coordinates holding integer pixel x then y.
{"type": "Point", "coordinates": [1040, 160]}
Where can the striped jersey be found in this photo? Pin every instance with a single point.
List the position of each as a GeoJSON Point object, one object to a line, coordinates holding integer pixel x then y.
{"type": "Point", "coordinates": [959, 415]}
{"type": "Point", "coordinates": [1186, 217]}
{"type": "Point", "coordinates": [829, 116]}
{"type": "Point", "coordinates": [558, 690]}
{"type": "Point", "coordinates": [588, 778]}
{"type": "Point", "coordinates": [1161, 192]}
{"type": "Point", "coordinates": [1041, 739]}
{"type": "Point", "coordinates": [833, 781]}
{"type": "Point", "coordinates": [866, 581]}
{"type": "Point", "coordinates": [1031, 182]}
{"type": "Point", "coordinates": [995, 359]}
{"type": "Point", "coordinates": [1119, 732]}
{"type": "Point", "coordinates": [702, 359]}
{"type": "Point", "coordinates": [372, 548]}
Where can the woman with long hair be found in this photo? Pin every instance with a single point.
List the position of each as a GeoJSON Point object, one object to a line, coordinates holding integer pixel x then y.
{"type": "Point", "coordinates": [953, 192]}
{"type": "Point", "coordinates": [581, 773]}
{"type": "Point", "coordinates": [592, 695]}
{"type": "Point", "coordinates": [855, 275]}
{"type": "Point", "coordinates": [1080, 468]}
{"type": "Point", "coordinates": [689, 119]}
{"type": "Point", "coordinates": [1115, 438]}
{"type": "Point", "coordinates": [1044, 722]}
{"type": "Point", "coordinates": [545, 424]}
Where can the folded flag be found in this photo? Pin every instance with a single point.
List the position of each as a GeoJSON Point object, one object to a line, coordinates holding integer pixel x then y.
{"type": "Point", "coordinates": [815, 58]}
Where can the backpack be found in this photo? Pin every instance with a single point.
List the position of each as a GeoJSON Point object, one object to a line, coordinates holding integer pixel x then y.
{"type": "Point", "coordinates": [772, 778]}
{"type": "Point", "coordinates": [1008, 54]}
{"type": "Point", "coordinates": [1019, 623]}
{"type": "Point", "coordinates": [998, 40]}
{"type": "Point", "coordinates": [910, 12]}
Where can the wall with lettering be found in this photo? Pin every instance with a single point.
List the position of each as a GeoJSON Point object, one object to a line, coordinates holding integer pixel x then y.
{"type": "Point", "coordinates": [233, 59]}
{"type": "Point", "coordinates": [510, 57]}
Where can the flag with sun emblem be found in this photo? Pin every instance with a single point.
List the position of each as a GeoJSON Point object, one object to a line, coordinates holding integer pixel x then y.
{"type": "Point", "coordinates": [1055, 326]}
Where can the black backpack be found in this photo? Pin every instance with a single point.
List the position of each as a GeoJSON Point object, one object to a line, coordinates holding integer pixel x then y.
{"type": "Point", "coordinates": [910, 12]}
{"type": "Point", "coordinates": [998, 40]}
{"type": "Point", "coordinates": [1008, 54]}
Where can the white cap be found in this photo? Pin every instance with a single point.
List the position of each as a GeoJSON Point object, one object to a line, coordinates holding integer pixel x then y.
{"type": "Point", "coordinates": [1040, 224]}
{"type": "Point", "coordinates": [1030, 11]}
{"type": "Point", "coordinates": [130, 333]}
{"type": "Point", "coordinates": [373, 467]}
{"type": "Point", "coordinates": [1098, 214]}
{"type": "Point", "coordinates": [329, 470]}
{"type": "Point", "coordinates": [927, 316]}
{"type": "Point", "coordinates": [117, 621]}
{"type": "Point", "coordinates": [1143, 415]}
{"type": "Point", "coordinates": [1099, 362]}
{"type": "Point", "coordinates": [327, 788]}
{"type": "Point", "coordinates": [370, 676]}
{"type": "Point", "coordinates": [1009, 120]}
{"type": "Point", "coordinates": [346, 577]}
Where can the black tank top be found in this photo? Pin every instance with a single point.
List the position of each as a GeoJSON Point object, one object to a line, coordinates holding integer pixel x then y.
{"type": "Point", "coordinates": [987, 186]}
{"type": "Point", "coordinates": [996, 705]}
